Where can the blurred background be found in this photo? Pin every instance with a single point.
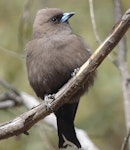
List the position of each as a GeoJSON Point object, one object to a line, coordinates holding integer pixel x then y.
{"type": "Point", "coordinates": [101, 111]}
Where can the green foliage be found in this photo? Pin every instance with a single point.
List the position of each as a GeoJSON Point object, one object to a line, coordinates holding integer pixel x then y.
{"type": "Point", "coordinates": [101, 111]}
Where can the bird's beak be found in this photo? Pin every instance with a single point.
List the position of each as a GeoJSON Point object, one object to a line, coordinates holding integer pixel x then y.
{"type": "Point", "coordinates": [66, 16]}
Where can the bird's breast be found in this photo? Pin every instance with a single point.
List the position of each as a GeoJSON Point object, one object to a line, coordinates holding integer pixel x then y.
{"type": "Point", "coordinates": [51, 62]}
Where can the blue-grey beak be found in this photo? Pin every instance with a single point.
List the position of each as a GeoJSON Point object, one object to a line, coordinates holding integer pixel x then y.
{"type": "Point", "coordinates": [66, 16]}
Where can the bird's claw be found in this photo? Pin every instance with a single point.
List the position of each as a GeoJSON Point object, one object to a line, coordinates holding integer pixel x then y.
{"type": "Point", "coordinates": [48, 100]}
{"type": "Point", "coordinates": [74, 72]}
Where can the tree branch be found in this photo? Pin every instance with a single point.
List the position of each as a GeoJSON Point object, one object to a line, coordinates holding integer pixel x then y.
{"type": "Point", "coordinates": [10, 99]}
{"type": "Point", "coordinates": [125, 142]}
{"type": "Point", "coordinates": [92, 15]}
{"type": "Point", "coordinates": [25, 121]}
{"type": "Point", "coordinates": [123, 69]}
{"type": "Point", "coordinates": [29, 102]}
{"type": "Point", "coordinates": [94, 22]}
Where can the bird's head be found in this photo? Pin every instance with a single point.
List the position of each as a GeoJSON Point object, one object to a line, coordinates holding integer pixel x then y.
{"type": "Point", "coordinates": [51, 21]}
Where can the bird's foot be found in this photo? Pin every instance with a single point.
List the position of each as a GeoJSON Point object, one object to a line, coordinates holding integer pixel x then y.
{"type": "Point", "coordinates": [48, 100]}
{"type": "Point", "coordinates": [74, 72]}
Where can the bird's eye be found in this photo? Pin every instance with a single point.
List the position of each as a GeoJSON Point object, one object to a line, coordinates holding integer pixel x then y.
{"type": "Point", "coordinates": [54, 19]}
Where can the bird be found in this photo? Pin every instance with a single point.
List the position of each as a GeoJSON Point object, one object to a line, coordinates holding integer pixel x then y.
{"type": "Point", "coordinates": [52, 55]}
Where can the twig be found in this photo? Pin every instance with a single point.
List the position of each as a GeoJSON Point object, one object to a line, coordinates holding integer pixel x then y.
{"type": "Point", "coordinates": [25, 121]}
{"type": "Point", "coordinates": [8, 86]}
{"type": "Point", "coordinates": [24, 22]}
{"type": "Point", "coordinates": [95, 29]}
{"type": "Point", "coordinates": [30, 102]}
{"type": "Point", "coordinates": [125, 142]}
{"type": "Point", "coordinates": [93, 22]}
{"type": "Point", "coordinates": [122, 66]}
{"type": "Point", "coordinates": [10, 99]}
{"type": "Point", "coordinates": [12, 53]}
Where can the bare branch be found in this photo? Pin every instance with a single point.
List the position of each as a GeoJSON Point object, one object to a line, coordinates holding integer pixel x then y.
{"type": "Point", "coordinates": [12, 53]}
{"type": "Point", "coordinates": [123, 67]}
{"type": "Point", "coordinates": [95, 28]}
{"type": "Point", "coordinates": [7, 104]}
{"type": "Point", "coordinates": [24, 23]}
{"type": "Point", "coordinates": [25, 121]}
{"type": "Point", "coordinates": [93, 22]}
{"type": "Point", "coordinates": [8, 86]}
{"type": "Point", "coordinates": [125, 142]}
{"type": "Point", "coordinates": [29, 102]}
{"type": "Point", "coordinates": [10, 99]}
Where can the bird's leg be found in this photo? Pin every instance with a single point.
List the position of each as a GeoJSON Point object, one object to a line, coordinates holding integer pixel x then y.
{"type": "Point", "coordinates": [74, 72]}
{"type": "Point", "coordinates": [48, 100]}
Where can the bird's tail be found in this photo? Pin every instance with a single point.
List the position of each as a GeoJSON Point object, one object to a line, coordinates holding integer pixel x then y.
{"type": "Point", "coordinates": [65, 122]}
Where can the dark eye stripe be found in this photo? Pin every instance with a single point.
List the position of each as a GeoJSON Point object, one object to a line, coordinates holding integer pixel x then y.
{"type": "Point", "coordinates": [57, 18]}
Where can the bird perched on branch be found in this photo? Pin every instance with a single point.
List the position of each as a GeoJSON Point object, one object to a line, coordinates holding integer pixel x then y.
{"type": "Point", "coordinates": [51, 57]}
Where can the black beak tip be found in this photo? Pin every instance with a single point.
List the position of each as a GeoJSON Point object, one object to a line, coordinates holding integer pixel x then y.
{"type": "Point", "coordinates": [66, 16]}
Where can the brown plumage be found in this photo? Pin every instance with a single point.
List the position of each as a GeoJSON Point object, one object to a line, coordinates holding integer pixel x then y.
{"type": "Point", "coordinates": [51, 57]}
